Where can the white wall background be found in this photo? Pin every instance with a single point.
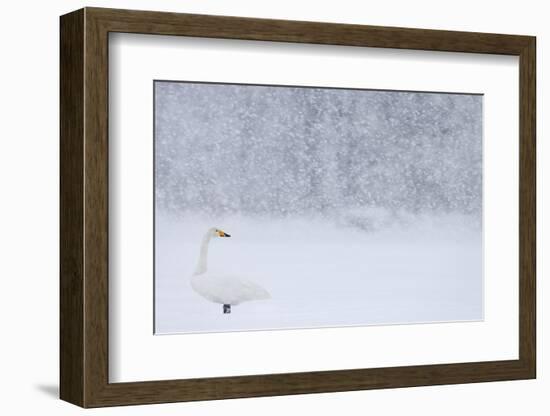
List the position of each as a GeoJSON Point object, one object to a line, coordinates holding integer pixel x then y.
{"type": "Point", "coordinates": [29, 208]}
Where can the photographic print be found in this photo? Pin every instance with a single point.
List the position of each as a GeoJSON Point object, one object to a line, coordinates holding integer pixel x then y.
{"type": "Point", "coordinates": [286, 207]}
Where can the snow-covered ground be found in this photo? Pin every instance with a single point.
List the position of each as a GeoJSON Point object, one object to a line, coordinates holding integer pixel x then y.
{"type": "Point", "coordinates": [321, 275]}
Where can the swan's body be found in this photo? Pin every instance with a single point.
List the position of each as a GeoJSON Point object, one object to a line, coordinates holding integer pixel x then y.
{"type": "Point", "coordinates": [225, 290]}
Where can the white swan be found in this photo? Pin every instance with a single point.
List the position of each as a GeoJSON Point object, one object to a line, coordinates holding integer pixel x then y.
{"type": "Point", "coordinates": [225, 290]}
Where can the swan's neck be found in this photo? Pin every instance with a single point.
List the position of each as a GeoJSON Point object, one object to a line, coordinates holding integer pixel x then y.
{"type": "Point", "coordinates": [203, 256]}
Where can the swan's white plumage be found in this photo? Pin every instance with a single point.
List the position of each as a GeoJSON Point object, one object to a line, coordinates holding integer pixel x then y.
{"type": "Point", "coordinates": [228, 290]}
{"type": "Point", "coordinates": [225, 290]}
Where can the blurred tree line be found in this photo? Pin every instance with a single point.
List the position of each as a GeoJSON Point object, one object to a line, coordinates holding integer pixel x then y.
{"type": "Point", "coordinates": [283, 151]}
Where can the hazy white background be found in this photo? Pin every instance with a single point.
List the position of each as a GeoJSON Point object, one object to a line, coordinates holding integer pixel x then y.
{"type": "Point", "coordinates": [29, 213]}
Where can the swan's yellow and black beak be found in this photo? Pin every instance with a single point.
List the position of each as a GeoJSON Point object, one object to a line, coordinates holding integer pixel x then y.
{"type": "Point", "coordinates": [222, 234]}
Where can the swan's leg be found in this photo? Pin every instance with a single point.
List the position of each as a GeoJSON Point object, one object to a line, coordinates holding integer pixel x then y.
{"type": "Point", "coordinates": [226, 308]}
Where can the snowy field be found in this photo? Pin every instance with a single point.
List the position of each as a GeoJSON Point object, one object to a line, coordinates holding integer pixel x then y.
{"type": "Point", "coordinates": [321, 274]}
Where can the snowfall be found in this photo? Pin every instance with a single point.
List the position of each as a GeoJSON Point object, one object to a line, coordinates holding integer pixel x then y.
{"type": "Point", "coordinates": [351, 207]}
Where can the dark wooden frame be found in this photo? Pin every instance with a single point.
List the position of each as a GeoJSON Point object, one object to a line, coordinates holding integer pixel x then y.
{"type": "Point", "coordinates": [84, 207]}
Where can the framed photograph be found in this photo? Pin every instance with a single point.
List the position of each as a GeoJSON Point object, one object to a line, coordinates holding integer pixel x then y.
{"type": "Point", "coordinates": [255, 207]}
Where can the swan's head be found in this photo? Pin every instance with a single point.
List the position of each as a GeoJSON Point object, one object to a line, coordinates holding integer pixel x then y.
{"type": "Point", "coordinates": [216, 232]}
